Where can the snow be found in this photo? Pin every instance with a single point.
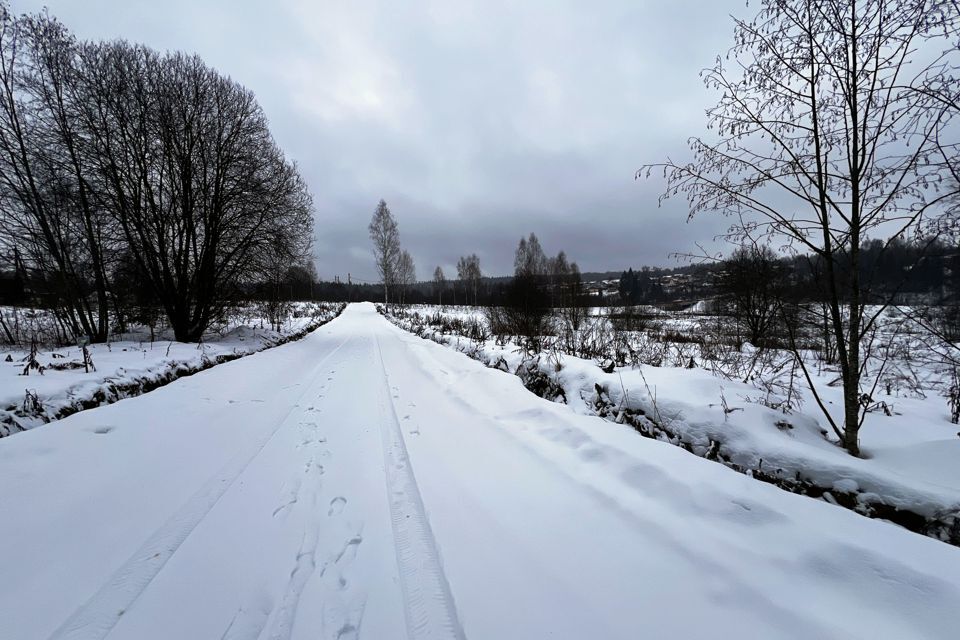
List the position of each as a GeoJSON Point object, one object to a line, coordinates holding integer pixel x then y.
{"type": "Point", "coordinates": [912, 459]}
{"type": "Point", "coordinates": [363, 482]}
{"type": "Point", "coordinates": [123, 366]}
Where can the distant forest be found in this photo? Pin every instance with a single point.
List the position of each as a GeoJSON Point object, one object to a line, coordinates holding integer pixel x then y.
{"type": "Point", "coordinates": [907, 273]}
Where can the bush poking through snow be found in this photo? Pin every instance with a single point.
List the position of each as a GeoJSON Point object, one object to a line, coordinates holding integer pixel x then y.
{"type": "Point", "coordinates": [31, 402]}
{"type": "Point", "coordinates": [953, 398]}
{"type": "Point", "coordinates": [31, 360]}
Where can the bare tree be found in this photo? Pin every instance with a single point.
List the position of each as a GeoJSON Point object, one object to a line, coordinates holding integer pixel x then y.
{"type": "Point", "coordinates": [558, 270]}
{"type": "Point", "coordinates": [752, 281]}
{"type": "Point", "coordinates": [439, 284]}
{"type": "Point", "coordinates": [191, 173]}
{"type": "Point", "coordinates": [526, 312]}
{"type": "Point", "coordinates": [117, 162]}
{"type": "Point", "coordinates": [48, 209]}
{"type": "Point", "coordinates": [474, 275]}
{"type": "Point", "coordinates": [288, 251]}
{"type": "Point", "coordinates": [406, 274]}
{"type": "Point", "coordinates": [826, 135]}
{"type": "Point", "coordinates": [468, 272]}
{"type": "Point", "coordinates": [386, 247]}
{"type": "Point", "coordinates": [529, 259]}
{"type": "Point", "coordinates": [567, 287]}
{"type": "Point", "coordinates": [462, 276]}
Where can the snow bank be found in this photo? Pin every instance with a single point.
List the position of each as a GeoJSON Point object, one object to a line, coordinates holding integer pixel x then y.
{"type": "Point", "coordinates": [125, 369]}
{"type": "Point", "coordinates": [915, 486]}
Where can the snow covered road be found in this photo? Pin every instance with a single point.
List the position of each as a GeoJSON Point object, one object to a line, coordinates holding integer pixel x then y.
{"type": "Point", "coordinates": [364, 483]}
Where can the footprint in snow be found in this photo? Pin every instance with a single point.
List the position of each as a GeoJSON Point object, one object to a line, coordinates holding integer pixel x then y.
{"type": "Point", "coordinates": [349, 549]}
{"type": "Point", "coordinates": [344, 616]}
{"type": "Point", "coordinates": [285, 505]}
{"type": "Point", "coordinates": [336, 506]}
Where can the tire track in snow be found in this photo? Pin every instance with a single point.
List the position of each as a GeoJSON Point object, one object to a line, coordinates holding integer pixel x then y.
{"type": "Point", "coordinates": [429, 606]}
{"type": "Point", "coordinates": [97, 617]}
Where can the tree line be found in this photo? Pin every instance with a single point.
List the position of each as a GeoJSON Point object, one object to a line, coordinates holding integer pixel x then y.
{"type": "Point", "coordinates": [397, 271]}
{"type": "Point", "coordinates": [133, 181]}
{"type": "Point", "coordinates": [906, 271]}
{"type": "Point", "coordinates": [538, 283]}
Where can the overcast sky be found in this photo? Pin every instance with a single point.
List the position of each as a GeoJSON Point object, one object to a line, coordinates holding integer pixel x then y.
{"type": "Point", "coordinates": [477, 121]}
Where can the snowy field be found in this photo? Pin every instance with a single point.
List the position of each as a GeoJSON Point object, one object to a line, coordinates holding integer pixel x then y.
{"type": "Point", "coordinates": [365, 483]}
{"type": "Point", "coordinates": [909, 472]}
{"type": "Point", "coordinates": [129, 364]}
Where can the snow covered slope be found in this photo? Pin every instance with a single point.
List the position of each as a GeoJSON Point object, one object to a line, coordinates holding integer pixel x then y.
{"type": "Point", "coordinates": [366, 483]}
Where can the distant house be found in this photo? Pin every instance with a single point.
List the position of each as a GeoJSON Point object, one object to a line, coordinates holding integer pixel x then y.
{"type": "Point", "coordinates": [602, 289]}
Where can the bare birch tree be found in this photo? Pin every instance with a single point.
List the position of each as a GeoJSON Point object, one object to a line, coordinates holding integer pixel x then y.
{"type": "Point", "coordinates": [439, 284]}
{"type": "Point", "coordinates": [406, 274]}
{"type": "Point", "coordinates": [386, 247]}
{"type": "Point", "coordinates": [529, 259]}
{"type": "Point", "coordinates": [469, 274]}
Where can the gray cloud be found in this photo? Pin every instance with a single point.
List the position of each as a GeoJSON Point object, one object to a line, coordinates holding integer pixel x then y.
{"type": "Point", "coordinates": [478, 122]}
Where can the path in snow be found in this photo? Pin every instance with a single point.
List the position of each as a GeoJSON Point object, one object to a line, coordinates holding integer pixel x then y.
{"type": "Point", "coordinates": [362, 483]}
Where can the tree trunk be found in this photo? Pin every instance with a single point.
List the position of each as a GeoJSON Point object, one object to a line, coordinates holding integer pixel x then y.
{"type": "Point", "coordinates": [851, 415]}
